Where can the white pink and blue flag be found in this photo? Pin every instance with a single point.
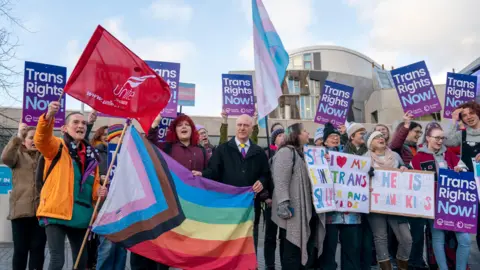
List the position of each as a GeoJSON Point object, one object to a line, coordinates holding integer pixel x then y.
{"type": "Point", "coordinates": [271, 61]}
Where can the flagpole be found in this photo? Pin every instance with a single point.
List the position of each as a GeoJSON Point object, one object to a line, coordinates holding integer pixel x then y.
{"type": "Point", "coordinates": [105, 182]}
{"type": "Point", "coordinates": [268, 134]}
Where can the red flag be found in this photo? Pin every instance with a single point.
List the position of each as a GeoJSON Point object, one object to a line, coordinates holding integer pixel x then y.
{"type": "Point", "coordinates": [113, 80]}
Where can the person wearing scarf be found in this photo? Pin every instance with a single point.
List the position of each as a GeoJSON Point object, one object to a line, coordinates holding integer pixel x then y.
{"type": "Point", "coordinates": [384, 158]}
{"type": "Point", "coordinates": [72, 187]}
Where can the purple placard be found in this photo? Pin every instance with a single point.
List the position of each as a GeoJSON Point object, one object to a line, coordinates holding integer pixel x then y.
{"type": "Point", "coordinates": [42, 84]}
{"type": "Point", "coordinates": [457, 202]}
{"type": "Point", "coordinates": [334, 104]}
{"type": "Point", "coordinates": [415, 89]}
{"type": "Point", "coordinates": [170, 72]}
{"type": "Point", "coordinates": [99, 114]}
{"type": "Point", "coordinates": [237, 94]}
{"type": "Point", "coordinates": [460, 88]}
{"type": "Point", "coordinates": [163, 128]}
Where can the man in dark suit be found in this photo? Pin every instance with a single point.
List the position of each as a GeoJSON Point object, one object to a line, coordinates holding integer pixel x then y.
{"type": "Point", "coordinates": [241, 163]}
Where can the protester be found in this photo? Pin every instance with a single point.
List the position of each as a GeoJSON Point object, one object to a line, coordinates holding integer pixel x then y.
{"type": "Point", "coordinates": [183, 145]}
{"type": "Point", "coordinates": [318, 138]}
{"type": "Point", "coordinates": [347, 226]}
{"type": "Point", "coordinates": [224, 129]}
{"type": "Point", "coordinates": [404, 142]}
{"type": "Point", "coordinates": [384, 130]}
{"type": "Point", "coordinates": [71, 188]}
{"type": "Point", "coordinates": [384, 158]}
{"type": "Point", "coordinates": [292, 199]}
{"type": "Point", "coordinates": [181, 142]}
{"type": "Point", "coordinates": [432, 156]}
{"type": "Point", "coordinates": [271, 228]}
{"type": "Point", "coordinates": [356, 146]}
{"type": "Point", "coordinates": [466, 116]}
{"type": "Point", "coordinates": [99, 143]}
{"type": "Point", "coordinates": [406, 137]}
{"type": "Point", "coordinates": [204, 141]}
{"type": "Point", "coordinates": [21, 155]}
{"type": "Point", "coordinates": [241, 163]}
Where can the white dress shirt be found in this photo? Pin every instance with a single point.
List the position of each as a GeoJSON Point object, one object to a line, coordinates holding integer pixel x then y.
{"type": "Point", "coordinates": [247, 145]}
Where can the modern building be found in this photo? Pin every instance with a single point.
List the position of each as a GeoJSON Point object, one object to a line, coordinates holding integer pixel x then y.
{"type": "Point", "coordinates": [375, 99]}
{"type": "Point", "coordinates": [307, 72]}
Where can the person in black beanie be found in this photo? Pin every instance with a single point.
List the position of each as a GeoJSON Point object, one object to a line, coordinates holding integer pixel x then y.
{"type": "Point", "coordinates": [331, 138]}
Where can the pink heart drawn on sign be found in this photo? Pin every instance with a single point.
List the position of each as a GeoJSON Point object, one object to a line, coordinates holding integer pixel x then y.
{"type": "Point", "coordinates": [341, 161]}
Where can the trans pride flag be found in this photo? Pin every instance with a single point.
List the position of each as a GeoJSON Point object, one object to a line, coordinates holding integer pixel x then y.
{"type": "Point", "coordinates": [271, 61]}
{"type": "Point", "coordinates": [157, 209]}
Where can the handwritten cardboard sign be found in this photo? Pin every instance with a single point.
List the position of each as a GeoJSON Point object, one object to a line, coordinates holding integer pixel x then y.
{"type": "Point", "coordinates": [410, 193]}
{"type": "Point", "coordinates": [351, 182]}
{"type": "Point", "coordinates": [320, 177]}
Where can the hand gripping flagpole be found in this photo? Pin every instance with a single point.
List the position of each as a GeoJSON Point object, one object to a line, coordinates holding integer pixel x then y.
{"type": "Point", "coordinates": [105, 182]}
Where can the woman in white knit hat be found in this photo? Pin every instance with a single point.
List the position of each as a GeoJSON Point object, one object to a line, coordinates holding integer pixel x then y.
{"type": "Point", "coordinates": [384, 158]}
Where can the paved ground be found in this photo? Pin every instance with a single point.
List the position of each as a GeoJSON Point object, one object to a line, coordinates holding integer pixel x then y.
{"type": "Point", "coordinates": [6, 253]}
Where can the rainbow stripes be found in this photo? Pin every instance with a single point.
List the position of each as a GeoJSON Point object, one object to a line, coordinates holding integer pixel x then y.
{"type": "Point", "coordinates": [114, 131]}
{"type": "Point", "coordinates": [156, 208]}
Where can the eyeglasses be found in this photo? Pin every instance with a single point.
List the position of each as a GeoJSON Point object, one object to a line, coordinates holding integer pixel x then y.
{"type": "Point", "coordinates": [379, 137]}
{"type": "Point", "coordinates": [419, 132]}
{"type": "Point", "coordinates": [438, 138]}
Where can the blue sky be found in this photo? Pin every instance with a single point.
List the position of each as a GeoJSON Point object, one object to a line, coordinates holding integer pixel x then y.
{"type": "Point", "coordinates": [211, 37]}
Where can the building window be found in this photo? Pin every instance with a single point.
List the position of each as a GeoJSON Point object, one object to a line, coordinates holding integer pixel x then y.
{"type": "Point", "coordinates": [307, 107]}
{"type": "Point", "coordinates": [314, 87]}
{"type": "Point", "coordinates": [297, 62]}
{"type": "Point", "coordinates": [307, 61]}
{"type": "Point", "coordinates": [293, 86]}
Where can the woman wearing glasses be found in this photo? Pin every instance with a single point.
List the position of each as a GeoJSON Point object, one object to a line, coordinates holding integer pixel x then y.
{"type": "Point", "coordinates": [432, 156]}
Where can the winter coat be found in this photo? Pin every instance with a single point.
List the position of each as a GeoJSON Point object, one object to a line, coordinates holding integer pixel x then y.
{"type": "Point", "coordinates": [24, 198]}
{"type": "Point", "coordinates": [229, 167]}
{"type": "Point", "coordinates": [296, 188]}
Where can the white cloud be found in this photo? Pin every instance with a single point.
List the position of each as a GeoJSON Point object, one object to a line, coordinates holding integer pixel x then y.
{"type": "Point", "coordinates": [176, 10]}
{"type": "Point", "coordinates": [151, 48]}
{"type": "Point", "coordinates": [73, 52]}
{"type": "Point", "coordinates": [442, 32]}
{"type": "Point", "coordinates": [292, 22]}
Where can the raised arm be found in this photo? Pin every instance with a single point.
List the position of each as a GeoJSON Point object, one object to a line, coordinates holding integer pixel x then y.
{"type": "Point", "coordinates": [44, 139]}
{"type": "Point", "coordinates": [224, 128]}
{"type": "Point", "coordinates": [401, 133]}
{"type": "Point", "coordinates": [454, 136]}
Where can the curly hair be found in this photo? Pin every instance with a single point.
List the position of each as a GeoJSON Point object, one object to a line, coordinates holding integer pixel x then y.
{"type": "Point", "coordinates": [472, 105]}
{"type": "Point", "coordinates": [172, 133]}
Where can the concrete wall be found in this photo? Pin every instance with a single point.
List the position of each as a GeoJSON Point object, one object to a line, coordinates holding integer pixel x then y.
{"type": "Point", "coordinates": [387, 105]}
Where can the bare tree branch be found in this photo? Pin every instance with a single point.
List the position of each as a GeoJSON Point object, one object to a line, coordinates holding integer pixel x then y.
{"type": "Point", "coordinates": [8, 46]}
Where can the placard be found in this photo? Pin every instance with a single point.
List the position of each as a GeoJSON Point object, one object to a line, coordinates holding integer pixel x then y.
{"type": "Point", "coordinates": [334, 104]}
{"type": "Point", "coordinates": [410, 193]}
{"type": "Point", "coordinates": [320, 178]}
{"type": "Point", "coordinates": [457, 202]}
{"type": "Point", "coordinates": [415, 89]}
{"type": "Point", "coordinates": [170, 72]}
{"type": "Point", "coordinates": [237, 94]}
{"type": "Point", "coordinates": [460, 88]}
{"type": "Point", "coordinates": [43, 84]}
{"type": "Point", "coordinates": [5, 179]}
{"type": "Point", "coordinates": [351, 181]}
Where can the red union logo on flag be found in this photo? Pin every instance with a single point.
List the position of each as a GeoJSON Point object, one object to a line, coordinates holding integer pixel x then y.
{"type": "Point", "coordinates": [113, 80]}
{"type": "Point", "coordinates": [127, 91]}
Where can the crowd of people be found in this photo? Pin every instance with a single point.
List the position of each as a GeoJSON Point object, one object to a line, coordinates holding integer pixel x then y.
{"type": "Point", "coordinates": [58, 180]}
